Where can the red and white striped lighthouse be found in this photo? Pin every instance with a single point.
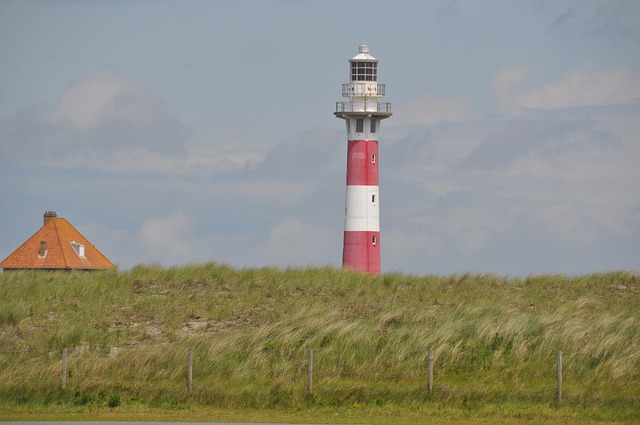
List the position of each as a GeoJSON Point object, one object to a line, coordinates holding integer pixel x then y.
{"type": "Point", "coordinates": [362, 113]}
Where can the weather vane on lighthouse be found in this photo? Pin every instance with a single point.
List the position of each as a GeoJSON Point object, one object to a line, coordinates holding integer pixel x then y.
{"type": "Point", "coordinates": [362, 113]}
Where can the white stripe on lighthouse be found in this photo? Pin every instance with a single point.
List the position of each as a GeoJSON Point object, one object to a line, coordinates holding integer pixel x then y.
{"type": "Point", "coordinates": [362, 213]}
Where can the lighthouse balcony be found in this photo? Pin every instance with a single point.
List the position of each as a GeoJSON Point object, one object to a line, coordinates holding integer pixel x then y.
{"type": "Point", "coordinates": [363, 89]}
{"type": "Point", "coordinates": [363, 107]}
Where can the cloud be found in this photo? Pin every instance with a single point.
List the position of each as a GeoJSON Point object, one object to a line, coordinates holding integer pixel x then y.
{"type": "Point", "coordinates": [168, 238]}
{"type": "Point", "coordinates": [543, 190]}
{"type": "Point", "coordinates": [312, 153]}
{"type": "Point", "coordinates": [466, 222]}
{"type": "Point", "coordinates": [545, 138]}
{"type": "Point", "coordinates": [583, 87]}
{"type": "Point", "coordinates": [431, 110]}
{"type": "Point", "coordinates": [109, 112]}
{"type": "Point", "coordinates": [206, 160]}
{"type": "Point", "coordinates": [105, 97]}
{"type": "Point", "coordinates": [504, 83]}
{"type": "Point", "coordinates": [296, 242]}
{"type": "Point", "coordinates": [598, 20]}
{"type": "Point", "coordinates": [120, 246]}
{"type": "Point", "coordinates": [98, 120]}
{"type": "Point", "coordinates": [110, 123]}
{"type": "Point", "coordinates": [577, 88]}
{"type": "Point", "coordinates": [448, 10]}
{"type": "Point", "coordinates": [564, 222]}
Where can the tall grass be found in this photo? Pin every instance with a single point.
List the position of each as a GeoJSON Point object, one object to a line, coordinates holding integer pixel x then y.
{"type": "Point", "coordinates": [494, 339]}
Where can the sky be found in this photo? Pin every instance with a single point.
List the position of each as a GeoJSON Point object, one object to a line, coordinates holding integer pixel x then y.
{"type": "Point", "coordinates": [191, 131]}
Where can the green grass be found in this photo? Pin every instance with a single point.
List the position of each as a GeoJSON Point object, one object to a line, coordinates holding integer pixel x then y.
{"type": "Point", "coordinates": [494, 340]}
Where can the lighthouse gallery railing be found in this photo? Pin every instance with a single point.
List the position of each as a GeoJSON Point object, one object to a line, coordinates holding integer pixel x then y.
{"type": "Point", "coordinates": [349, 107]}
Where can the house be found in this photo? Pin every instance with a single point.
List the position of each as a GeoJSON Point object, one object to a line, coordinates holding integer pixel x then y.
{"type": "Point", "coordinates": [56, 246]}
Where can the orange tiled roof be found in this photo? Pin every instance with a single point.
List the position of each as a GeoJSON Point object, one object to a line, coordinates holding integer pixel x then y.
{"type": "Point", "coordinates": [59, 251]}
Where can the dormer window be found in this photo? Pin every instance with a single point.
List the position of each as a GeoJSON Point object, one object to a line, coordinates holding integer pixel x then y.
{"type": "Point", "coordinates": [78, 248]}
{"type": "Point", "coordinates": [43, 249]}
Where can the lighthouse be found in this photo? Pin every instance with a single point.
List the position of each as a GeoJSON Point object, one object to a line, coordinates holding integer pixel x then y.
{"type": "Point", "coordinates": [362, 112]}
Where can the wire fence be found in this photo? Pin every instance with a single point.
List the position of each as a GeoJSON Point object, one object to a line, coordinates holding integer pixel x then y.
{"type": "Point", "coordinates": [60, 362]}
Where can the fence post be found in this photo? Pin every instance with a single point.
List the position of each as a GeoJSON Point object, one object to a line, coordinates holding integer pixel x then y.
{"type": "Point", "coordinates": [559, 392]}
{"type": "Point", "coordinates": [190, 369]}
{"type": "Point", "coordinates": [430, 382]}
{"type": "Point", "coordinates": [63, 385]}
{"type": "Point", "coordinates": [310, 372]}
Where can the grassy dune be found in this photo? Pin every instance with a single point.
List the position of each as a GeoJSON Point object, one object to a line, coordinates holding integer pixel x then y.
{"type": "Point", "coordinates": [494, 340]}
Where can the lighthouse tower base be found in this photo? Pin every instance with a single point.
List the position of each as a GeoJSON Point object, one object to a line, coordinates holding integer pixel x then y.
{"type": "Point", "coordinates": [360, 253]}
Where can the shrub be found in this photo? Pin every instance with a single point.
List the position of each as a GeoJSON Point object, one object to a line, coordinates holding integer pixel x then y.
{"type": "Point", "coordinates": [114, 401]}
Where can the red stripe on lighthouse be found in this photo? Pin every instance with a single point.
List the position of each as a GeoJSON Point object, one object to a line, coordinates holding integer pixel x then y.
{"type": "Point", "coordinates": [362, 163]}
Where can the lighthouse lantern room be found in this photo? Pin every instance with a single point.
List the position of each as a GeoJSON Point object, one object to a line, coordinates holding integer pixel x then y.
{"type": "Point", "coordinates": [362, 112]}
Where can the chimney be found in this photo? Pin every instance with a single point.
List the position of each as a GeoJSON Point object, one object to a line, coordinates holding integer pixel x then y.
{"type": "Point", "coordinates": [48, 215]}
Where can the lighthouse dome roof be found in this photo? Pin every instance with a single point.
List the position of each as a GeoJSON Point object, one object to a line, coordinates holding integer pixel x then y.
{"type": "Point", "coordinates": [363, 55]}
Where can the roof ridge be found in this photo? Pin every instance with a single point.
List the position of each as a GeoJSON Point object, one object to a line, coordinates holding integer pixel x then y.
{"type": "Point", "coordinates": [64, 257]}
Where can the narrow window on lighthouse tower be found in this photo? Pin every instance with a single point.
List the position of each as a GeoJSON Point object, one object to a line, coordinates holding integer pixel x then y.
{"type": "Point", "coordinates": [373, 158]}
{"type": "Point", "coordinates": [374, 239]}
{"type": "Point", "coordinates": [359, 125]}
{"type": "Point", "coordinates": [373, 125]}
{"type": "Point", "coordinates": [373, 198]}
